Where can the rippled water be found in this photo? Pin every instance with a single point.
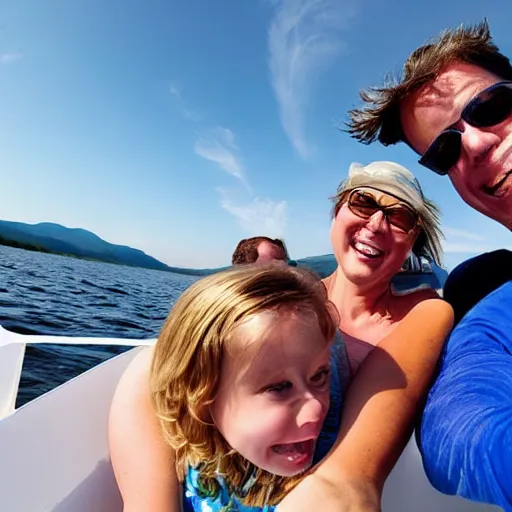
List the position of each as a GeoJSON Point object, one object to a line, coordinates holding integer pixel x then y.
{"type": "Point", "coordinates": [57, 295]}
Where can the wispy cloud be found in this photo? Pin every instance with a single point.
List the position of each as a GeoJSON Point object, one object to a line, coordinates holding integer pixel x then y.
{"type": "Point", "coordinates": [219, 146]}
{"type": "Point", "coordinates": [451, 247]}
{"type": "Point", "coordinates": [466, 242]}
{"type": "Point", "coordinates": [258, 216]}
{"type": "Point", "coordinates": [7, 58]}
{"type": "Point", "coordinates": [460, 233]}
{"type": "Point", "coordinates": [255, 215]}
{"type": "Point", "coordinates": [189, 114]}
{"type": "Point", "coordinates": [214, 144]}
{"type": "Point", "coordinates": [303, 38]}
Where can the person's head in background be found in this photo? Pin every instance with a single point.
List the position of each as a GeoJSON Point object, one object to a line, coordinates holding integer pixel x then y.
{"type": "Point", "coordinates": [260, 249]}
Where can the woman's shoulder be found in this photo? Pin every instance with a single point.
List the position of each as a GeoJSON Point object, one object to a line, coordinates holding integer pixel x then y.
{"type": "Point", "coordinates": [141, 458]}
{"type": "Point", "coordinates": [135, 379]}
{"type": "Point", "coordinates": [433, 307]}
{"type": "Point", "coordinates": [411, 300]}
{"type": "Point", "coordinates": [132, 392]}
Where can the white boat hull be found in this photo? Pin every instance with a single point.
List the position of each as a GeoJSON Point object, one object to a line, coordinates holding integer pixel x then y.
{"type": "Point", "coordinates": [55, 457]}
{"type": "Point", "coordinates": [54, 450]}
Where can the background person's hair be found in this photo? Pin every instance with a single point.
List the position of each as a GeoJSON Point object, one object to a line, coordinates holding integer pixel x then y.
{"type": "Point", "coordinates": [379, 117]}
{"type": "Point", "coordinates": [187, 361]}
{"type": "Point", "coordinates": [246, 250]}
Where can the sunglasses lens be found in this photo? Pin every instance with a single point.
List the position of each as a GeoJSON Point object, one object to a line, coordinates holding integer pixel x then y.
{"type": "Point", "coordinates": [402, 218]}
{"type": "Point", "coordinates": [489, 108]}
{"type": "Point", "coordinates": [443, 153]}
{"type": "Point", "coordinates": [363, 205]}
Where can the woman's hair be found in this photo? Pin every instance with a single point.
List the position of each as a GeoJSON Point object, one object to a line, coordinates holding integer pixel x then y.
{"type": "Point", "coordinates": [187, 361]}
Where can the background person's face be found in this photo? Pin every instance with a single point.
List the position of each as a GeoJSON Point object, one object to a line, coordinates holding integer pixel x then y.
{"type": "Point", "coordinates": [482, 176]}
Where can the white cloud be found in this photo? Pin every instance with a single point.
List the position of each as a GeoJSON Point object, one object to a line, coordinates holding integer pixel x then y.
{"type": "Point", "coordinates": [463, 248]}
{"type": "Point", "coordinates": [303, 38]}
{"type": "Point", "coordinates": [461, 241]}
{"type": "Point", "coordinates": [219, 146]}
{"type": "Point", "coordinates": [188, 113]}
{"type": "Point", "coordinates": [460, 233]}
{"type": "Point", "coordinates": [260, 216]}
{"type": "Point", "coordinates": [7, 58]}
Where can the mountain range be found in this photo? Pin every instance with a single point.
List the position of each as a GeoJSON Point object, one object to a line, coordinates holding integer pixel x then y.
{"type": "Point", "coordinates": [55, 238]}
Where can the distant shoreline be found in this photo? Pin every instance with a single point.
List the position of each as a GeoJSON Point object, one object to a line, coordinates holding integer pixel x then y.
{"type": "Point", "coordinates": [21, 245]}
{"type": "Point", "coordinates": [35, 248]}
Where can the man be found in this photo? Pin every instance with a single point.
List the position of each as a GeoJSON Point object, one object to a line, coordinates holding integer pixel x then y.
{"type": "Point", "coordinates": [453, 106]}
{"type": "Point", "coordinates": [259, 249]}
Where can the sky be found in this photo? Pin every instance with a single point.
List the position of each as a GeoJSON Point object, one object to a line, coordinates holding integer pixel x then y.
{"type": "Point", "coordinates": [181, 126]}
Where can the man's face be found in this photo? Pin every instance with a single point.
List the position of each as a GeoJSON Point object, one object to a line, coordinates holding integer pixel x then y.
{"type": "Point", "coordinates": [486, 154]}
{"type": "Point", "coordinates": [268, 252]}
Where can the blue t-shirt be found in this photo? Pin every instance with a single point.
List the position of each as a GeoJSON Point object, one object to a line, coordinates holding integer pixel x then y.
{"type": "Point", "coordinates": [466, 429]}
{"type": "Point", "coordinates": [193, 501]}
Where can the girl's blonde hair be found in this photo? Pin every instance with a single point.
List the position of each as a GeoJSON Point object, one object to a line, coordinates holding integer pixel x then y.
{"type": "Point", "coordinates": [187, 361]}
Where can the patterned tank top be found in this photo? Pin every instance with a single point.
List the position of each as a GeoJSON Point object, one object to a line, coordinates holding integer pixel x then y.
{"type": "Point", "coordinates": [194, 500]}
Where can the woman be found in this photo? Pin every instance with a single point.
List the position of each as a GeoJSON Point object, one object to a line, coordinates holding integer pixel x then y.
{"type": "Point", "coordinates": [380, 215]}
{"type": "Point", "coordinates": [380, 403]}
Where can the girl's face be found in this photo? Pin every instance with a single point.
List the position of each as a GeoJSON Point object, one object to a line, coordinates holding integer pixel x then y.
{"type": "Point", "coordinates": [274, 390]}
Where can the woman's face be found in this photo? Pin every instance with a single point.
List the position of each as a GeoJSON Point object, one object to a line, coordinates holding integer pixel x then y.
{"type": "Point", "coordinates": [371, 246]}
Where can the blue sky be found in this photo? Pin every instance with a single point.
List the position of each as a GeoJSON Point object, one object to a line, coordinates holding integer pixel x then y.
{"type": "Point", "coordinates": [179, 127]}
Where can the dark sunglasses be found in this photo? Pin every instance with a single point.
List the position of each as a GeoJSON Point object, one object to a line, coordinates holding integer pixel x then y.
{"type": "Point", "coordinates": [488, 108]}
{"type": "Point", "coordinates": [364, 205]}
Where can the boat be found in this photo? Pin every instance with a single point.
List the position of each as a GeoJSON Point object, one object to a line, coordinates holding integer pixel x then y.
{"type": "Point", "coordinates": [55, 454]}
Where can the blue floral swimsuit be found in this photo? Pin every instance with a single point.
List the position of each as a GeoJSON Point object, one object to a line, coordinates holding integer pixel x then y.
{"type": "Point", "coordinates": [195, 501]}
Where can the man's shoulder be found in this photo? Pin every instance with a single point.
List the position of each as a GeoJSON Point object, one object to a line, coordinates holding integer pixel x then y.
{"type": "Point", "coordinates": [474, 279]}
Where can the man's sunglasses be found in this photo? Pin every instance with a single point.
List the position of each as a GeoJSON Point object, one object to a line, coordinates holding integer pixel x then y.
{"type": "Point", "coordinates": [488, 108]}
{"type": "Point", "coordinates": [364, 205]}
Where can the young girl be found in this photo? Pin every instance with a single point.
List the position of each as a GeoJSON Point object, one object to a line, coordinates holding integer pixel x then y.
{"type": "Point", "coordinates": [235, 428]}
{"type": "Point", "coordinates": [242, 377]}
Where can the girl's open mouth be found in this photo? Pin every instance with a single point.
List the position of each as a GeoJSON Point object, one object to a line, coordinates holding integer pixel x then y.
{"type": "Point", "coordinates": [297, 453]}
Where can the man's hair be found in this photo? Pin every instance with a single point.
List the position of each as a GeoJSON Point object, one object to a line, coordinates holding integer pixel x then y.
{"type": "Point", "coordinates": [379, 117]}
{"type": "Point", "coordinates": [247, 249]}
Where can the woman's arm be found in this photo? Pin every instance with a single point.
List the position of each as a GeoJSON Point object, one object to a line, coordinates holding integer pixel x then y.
{"type": "Point", "coordinates": [378, 412]}
{"type": "Point", "coordinates": [143, 462]}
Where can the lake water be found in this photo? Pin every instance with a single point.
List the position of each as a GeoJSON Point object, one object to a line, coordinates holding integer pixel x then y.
{"type": "Point", "coordinates": [57, 295]}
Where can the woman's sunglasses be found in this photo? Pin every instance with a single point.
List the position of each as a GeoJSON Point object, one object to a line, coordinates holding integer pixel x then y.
{"type": "Point", "coordinates": [364, 205]}
{"type": "Point", "coordinates": [488, 108]}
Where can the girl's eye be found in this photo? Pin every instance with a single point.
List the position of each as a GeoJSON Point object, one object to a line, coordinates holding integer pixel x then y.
{"type": "Point", "coordinates": [279, 387]}
{"type": "Point", "coordinates": [321, 377]}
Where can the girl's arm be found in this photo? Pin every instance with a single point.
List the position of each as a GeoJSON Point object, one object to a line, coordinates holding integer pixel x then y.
{"type": "Point", "coordinates": [143, 462]}
{"type": "Point", "coordinates": [378, 412]}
